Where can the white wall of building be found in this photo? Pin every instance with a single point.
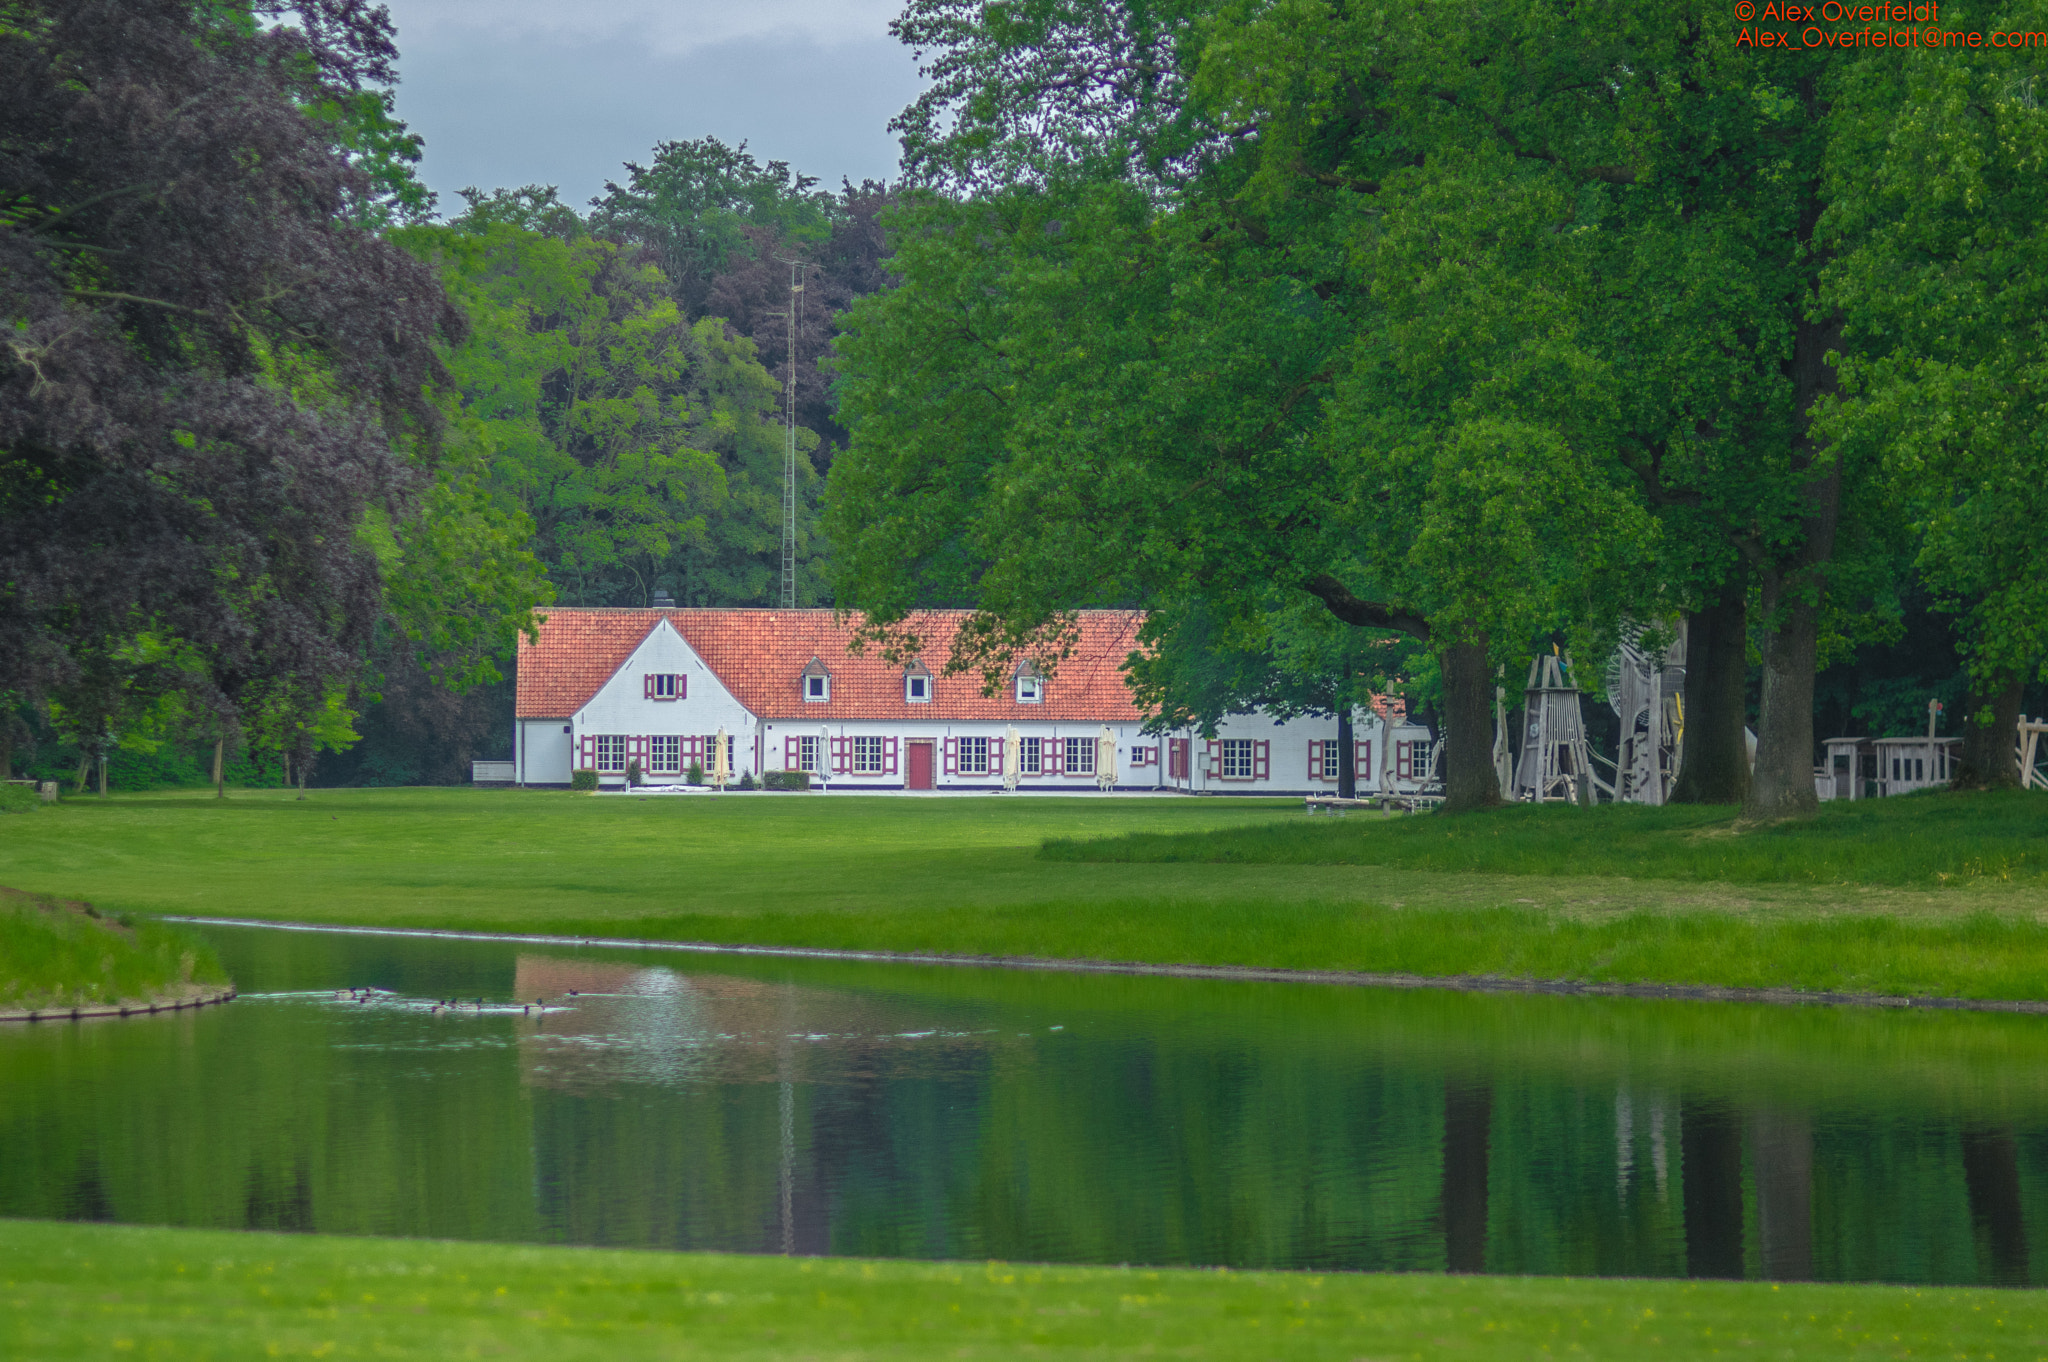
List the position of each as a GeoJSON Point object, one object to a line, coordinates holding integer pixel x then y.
{"type": "Point", "coordinates": [541, 750]}
{"type": "Point", "coordinates": [777, 732]}
{"type": "Point", "coordinates": [1389, 755]}
{"type": "Point", "coordinates": [547, 754]}
{"type": "Point", "coordinates": [621, 706]}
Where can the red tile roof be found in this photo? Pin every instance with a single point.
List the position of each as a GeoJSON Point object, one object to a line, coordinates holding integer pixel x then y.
{"type": "Point", "coordinates": [759, 654]}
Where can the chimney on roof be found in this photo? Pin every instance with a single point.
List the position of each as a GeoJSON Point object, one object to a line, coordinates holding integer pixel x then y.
{"type": "Point", "coordinates": [662, 600]}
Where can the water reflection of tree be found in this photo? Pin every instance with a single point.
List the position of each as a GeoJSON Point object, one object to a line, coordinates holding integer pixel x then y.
{"type": "Point", "coordinates": [1173, 1131]}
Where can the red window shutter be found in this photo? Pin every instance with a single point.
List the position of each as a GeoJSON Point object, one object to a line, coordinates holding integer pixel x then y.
{"type": "Point", "coordinates": [682, 685]}
{"type": "Point", "coordinates": [647, 686]}
{"type": "Point", "coordinates": [995, 757]}
{"type": "Point", "coordinates": [1214, 757]}
{"type": "Point", "coordinates": [790, 754]}
{"type": "Point", "coordinates": [587, 748]}
{"type": "Point", "coordinates": [1404, 765]}
{"type": "Point", "coordinates": [1315, 759]}
{"type": "Point", "coordinates": [1262, 760]}
{"type": "Point", "coordinates": [889, 751]}
{"type": "Point", "coordinates": [1361, 757]}
{"type": "Point", "coordinates": [839, 756]}
{"type": "Point", "coordinates": [952, 756]}
{"type": "Point", "coordinates": [1055, 759]}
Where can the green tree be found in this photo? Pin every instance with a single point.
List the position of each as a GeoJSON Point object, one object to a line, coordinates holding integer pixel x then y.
{"type": "Point", "coordinates": [1943, 286]}
{"type": "Point", "coordinates": [645, 450]}
{"type": "Point", "coordinates": [691, 206]}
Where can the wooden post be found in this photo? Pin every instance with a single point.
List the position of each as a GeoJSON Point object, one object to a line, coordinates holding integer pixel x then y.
{"type": "Point", "coordinates": [220, 747]}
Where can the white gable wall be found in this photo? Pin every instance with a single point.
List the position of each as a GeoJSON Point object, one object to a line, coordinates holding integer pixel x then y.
{"type": "Point", "coordinates": [621, 705]}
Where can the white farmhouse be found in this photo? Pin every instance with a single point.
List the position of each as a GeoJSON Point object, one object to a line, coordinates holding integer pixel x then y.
{"type": "Point", "coordinates": [604, 688]}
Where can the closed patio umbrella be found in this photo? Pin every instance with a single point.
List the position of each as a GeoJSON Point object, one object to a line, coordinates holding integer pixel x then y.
{"type": "Point", "coordinates": [721, 762]}
{"type": "Point", "coordinates": [1012, 759]}
{"type": "Point", "coordinates": [1105, 760]}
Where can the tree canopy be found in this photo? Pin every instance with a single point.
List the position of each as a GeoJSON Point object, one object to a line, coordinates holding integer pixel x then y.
{"type": "Point", "coordinates": [1474, 331]}
{"type": "Point", "coordinates": [214, 373]}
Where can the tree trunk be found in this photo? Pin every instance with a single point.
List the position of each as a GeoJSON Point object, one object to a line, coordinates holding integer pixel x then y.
{"type": "Point", "coordinates": [1347, 754]}
{"type": "Point", "coordinates": [1468, 775]}
{"type": "Point", "coordinates": [220, 749]}
{"type": "Point", "coordinates": [1714, 763]}
{"type": "Point", "coordinates": [1990, 755]}
{"type": "Point", "coordinates": [6, 750]}
{"type": "Point", "coordinates": [103, 775]}
{"type": "Point", "coordinates": [1782, 784]}
{"type": "Point", "coordinates": [84, 772]}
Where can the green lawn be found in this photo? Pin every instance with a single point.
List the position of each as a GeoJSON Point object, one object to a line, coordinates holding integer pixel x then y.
{"type": "Point", "coordinates": [90, 1291]}
{"type": "Point", "coordinates": [1927, 840]}
{"type": "Point", "coordinates": [1618, 897]}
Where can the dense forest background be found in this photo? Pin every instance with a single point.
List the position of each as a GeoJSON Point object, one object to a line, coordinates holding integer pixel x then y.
{"type": "Point", "coordinates": [290, 451]}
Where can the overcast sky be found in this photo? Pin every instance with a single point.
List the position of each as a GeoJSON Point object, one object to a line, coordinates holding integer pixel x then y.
{"type": "Point", "coordinates": [514, 92]}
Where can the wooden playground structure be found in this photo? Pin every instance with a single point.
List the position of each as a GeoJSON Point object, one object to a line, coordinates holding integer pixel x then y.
{"type": "Point", "coordinates": [1645, 686]}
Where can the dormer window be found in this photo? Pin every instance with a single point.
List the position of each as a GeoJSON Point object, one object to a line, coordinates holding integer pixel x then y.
{"type": "Point", "coordinates": [817, 683]}
{"type": "Point", "coordinates": [917, 684]}
{"type": "Point", "coordinates": [1030, 686]}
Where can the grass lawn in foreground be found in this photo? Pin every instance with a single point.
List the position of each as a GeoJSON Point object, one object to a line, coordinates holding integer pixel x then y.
{"type": "Point", "coordinates": [967, 876]}
{"type": "Point", "coordinates": [93, 1291]}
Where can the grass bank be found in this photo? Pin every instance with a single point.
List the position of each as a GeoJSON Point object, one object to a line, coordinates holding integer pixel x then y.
{"type": "Point", "coordinates": [91, 1291]}
{"type": "Point", "coordinates": [55, 953]}
{"type": "Point", "coordinates": [1612, 895]}
{"type": "Point", "coordinates": [1925, 840]}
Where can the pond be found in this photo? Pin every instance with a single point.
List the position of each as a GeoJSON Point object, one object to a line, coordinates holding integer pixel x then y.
{"type": "Point", "coordinates": [782, 1106]}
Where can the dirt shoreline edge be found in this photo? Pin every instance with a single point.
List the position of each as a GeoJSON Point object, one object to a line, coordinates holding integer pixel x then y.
{"type": "Point", "coordinates": [127, 1009]}
{"type": "Point", "coordinates": [1462, 983]}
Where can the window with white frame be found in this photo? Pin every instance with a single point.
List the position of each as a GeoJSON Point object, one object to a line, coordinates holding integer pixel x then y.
{"type": "Point", "coordinates": [611, 752]}
{"type": "Point", "coordinates": [1080, 756]}
{"type": "Point", "coordinates": [665, 753]}
{"type": "Point", "coordinates": [868, 756]}
{"type": "Point", "coordinates": [1030, 756]}
{"type": "Point", "coordinates": [807, 754]}
{"type": "Point", "coordinates": [710, 750]}
{"type": "Point", "coordinates": [664, 686]}
{"type": "Point", "coordinates": [1237, 758]}
{"type": "Point", "coordinates": [817, 688]}
{"type": "Point", "coordinates": [1030, 689]}
{"type": "Point", "coordinates": [974, 756]}
{"type": "Point", "coordinates": [917, 688]}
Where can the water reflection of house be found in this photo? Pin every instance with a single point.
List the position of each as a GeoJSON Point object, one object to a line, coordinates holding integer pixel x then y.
{"type": "Point", "coordinates": [646, 1023]}
{"type": "Point", "coordinates": [718, 1111]}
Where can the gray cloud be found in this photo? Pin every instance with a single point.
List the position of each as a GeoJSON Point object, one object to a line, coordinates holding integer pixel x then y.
{"type": "Point", "coordinates": [512, 92]}
{"type": "Point", "coordinates": [667, 26]}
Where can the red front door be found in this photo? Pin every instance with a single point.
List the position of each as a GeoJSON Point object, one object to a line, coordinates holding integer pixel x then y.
{"type": "Point", "coordinates": [920, 766]}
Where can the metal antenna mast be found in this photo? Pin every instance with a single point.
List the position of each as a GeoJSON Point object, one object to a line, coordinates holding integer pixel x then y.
{"type": "Point", "coordinates": [796, 290]}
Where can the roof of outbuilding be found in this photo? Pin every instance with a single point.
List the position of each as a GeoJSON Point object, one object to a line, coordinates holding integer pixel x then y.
{"type": "Point", "coordinates": [761, 654]}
